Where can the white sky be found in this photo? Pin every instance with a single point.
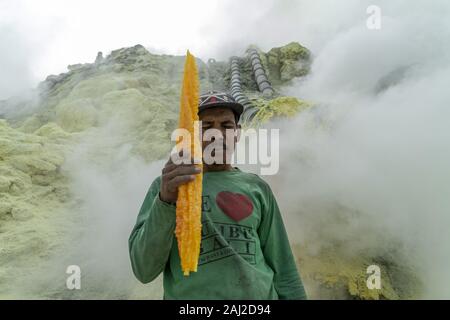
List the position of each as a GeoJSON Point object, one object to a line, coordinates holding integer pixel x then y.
{"type": "Point", "coordinates": [42, 37]}
{"type": "Point", "coordinates": [59, 33]}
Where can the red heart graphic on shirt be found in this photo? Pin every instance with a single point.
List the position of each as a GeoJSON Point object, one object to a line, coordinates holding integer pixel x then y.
{"type": "Point", "coordinates": [235, 205]}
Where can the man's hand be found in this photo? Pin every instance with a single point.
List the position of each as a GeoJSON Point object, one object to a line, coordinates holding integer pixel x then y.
{"type": "Point", "coordinates": [173, 176]}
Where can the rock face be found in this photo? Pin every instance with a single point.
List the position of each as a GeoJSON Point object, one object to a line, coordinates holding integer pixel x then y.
{"type": "Point", "coordinates": [99, 58]}
{"type": "Point", "coordinates": [131, 83]}
{"type": "Point", "coordinates": [28, 169]}
{"type": "Point", "coordinates": [131, 95]}
{"type": "Point", "coordinates": [32, 191]}
{"type": "Point", "coordinates": [286, 63]}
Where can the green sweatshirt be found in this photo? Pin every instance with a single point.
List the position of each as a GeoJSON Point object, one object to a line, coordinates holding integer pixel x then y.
{"type": "Point", "coordinates": [245, 252]}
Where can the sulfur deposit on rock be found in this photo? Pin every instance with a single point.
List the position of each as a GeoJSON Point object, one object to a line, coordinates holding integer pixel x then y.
{"type": "Point", "coordinates": [131, 85]}
{"type": "Point", "coordinates": [281, 107]}
{"type": "Point", "coordinates": [29, 166]}
{"type": "Point", "coordinates": [32, 190]}
{"type": "Point", "coordinates": [332, 274]}
{"type": "Point", "coordinates": [286, 63]}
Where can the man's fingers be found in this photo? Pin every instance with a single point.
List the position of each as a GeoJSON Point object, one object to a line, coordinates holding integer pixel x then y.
{"type": "Point", "coordinates": [181, 171]}
{"type": "Point", "coordinates": [170, 167]}
{"type": "Point", "coordinates": [173, 184]}
{"type": "Point", "coordinates": [180, 157]}
{"type": "Point", "coordinates": [183, 161]}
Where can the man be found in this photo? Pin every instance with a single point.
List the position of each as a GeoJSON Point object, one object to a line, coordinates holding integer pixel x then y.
{"type": "Point", "coordinates": [245, 252]}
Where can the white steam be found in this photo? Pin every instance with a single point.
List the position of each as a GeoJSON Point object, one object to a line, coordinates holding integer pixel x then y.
{"type": "Point", "coordinates": [110, 184]}
{"type": "Point", "coordinates": [377, 172]}
{"type": "Point", "coordinates": [370, 163]}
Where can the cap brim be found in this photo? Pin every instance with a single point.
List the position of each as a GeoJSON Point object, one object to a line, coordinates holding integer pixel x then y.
{"type": "Point", "coordinates": [237, 108]}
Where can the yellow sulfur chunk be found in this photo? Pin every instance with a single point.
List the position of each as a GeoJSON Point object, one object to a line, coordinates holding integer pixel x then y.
{"type": "Point", "coordinates": [188, 212]}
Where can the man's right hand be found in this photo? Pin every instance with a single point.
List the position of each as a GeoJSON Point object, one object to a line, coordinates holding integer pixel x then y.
{"type": "Point", "coordinates": [173, 176]}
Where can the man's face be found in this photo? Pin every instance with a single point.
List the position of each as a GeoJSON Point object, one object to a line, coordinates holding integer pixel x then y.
{"type": "Point", "coordinates": [217, 123]}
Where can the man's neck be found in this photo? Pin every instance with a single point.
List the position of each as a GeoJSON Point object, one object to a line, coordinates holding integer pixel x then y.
{"type": "Point", "coordinates": [217, 167]}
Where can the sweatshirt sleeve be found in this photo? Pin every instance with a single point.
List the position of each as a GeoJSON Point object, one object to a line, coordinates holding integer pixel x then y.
{"type": "Point", "coordinates": [151, 240]}
{"type": "Point", "coordinates": [277, 251]}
